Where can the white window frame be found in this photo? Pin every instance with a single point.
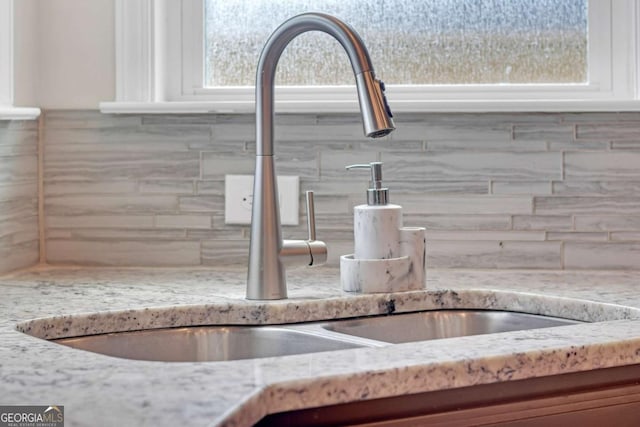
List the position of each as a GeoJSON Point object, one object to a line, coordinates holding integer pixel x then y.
{"type": "Point", "coordinates": [159, 55]}
{"type": "Point", "coordinates": [7, 109]}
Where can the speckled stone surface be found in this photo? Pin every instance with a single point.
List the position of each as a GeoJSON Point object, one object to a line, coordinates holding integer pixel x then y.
{"type": "Point", "coordinates": [100, 390]}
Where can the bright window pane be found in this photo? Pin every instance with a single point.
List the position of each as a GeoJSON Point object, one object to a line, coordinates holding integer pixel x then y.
{"type": "Point", "coordinates": [410, 41]}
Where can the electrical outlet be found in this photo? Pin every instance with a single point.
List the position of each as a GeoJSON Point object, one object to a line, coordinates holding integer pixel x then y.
{"type": "Point", "coordinates": [238, 199]}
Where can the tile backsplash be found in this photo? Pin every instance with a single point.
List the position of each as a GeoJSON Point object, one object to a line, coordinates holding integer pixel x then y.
{"type": "Point", "coordinates": [517, 190]}
{"type": "Point", "coordinates": [18, 195]}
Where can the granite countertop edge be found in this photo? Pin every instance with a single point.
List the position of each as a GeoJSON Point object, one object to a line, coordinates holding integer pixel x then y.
{"type": "Point", "coordinates": [53, 302]}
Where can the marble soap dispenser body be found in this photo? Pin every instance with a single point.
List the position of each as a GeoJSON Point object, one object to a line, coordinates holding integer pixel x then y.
{"type": "Point", "coordinates": [387, 257]}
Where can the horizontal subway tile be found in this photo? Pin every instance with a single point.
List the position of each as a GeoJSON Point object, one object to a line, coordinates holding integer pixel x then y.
{"type": "Point", "coordinates": [223, 252]}
{"type": "Point", "coordinates": [184, 221]}
{"type": "Point", "coordinates": [578, 236]}
{"type": "Point", "coordinates": [608, 256]}
{"type": "Point", "coordinates": [333, 204]}
{"type": "Point", "coordinates": [154, 137]}
{"type": "Point", "coordinates": [18, 207]}
{"type": "Point", "coordinates": [607, 117]}
{"type": "Point", "coordinates": [19, 190]}
{"type": "Point", "coordinates": [485, 235]}
{"type": "Point", "coordinates": [436, 187]}
{"type": "Point", "coordinates": [543, 132]}
{"type": "Point", "coordinates": [474, 166]}
{"type": "Point", "coordinates": [330, 119]}
{"type": "Point", "coordinates": [139, 234]}
{"type": "Point", "coordinates": [299, 162]}
{"type": "Point", "coordinates": [543, 222]}
{"type": "Point", "coordinates": [491, 145]}
{"type": "Point", "coordinates": [302, 133]}
{"type": "Point", "coordinates": [378, 145]}
{"type": "Point", "coordinates": [99, 221]}
{"type": "Point", "coordinates": [63, 187]}
{"type": "Point", "coordinates": [215, 188]}
{"type": "Point", "coordinates": [18, 256]}
{"type": "Point", "coordinates": [9, 227]}
{"type": "Point", "coordinates": [216, 165]}
{"type": "Point", "coordinates": [458, 222]}
{"type": "Point", "coordinates": [607, 222]}
{"type": "Point", "coordinates": [18, 168]}
{"type": "Point", "coordinates": [207, 203]}
{"type": "Point", "coordinates": [123, 253]}
{"type": "Point", "coordinates": [228, 233]}
{"type": "Point", "coordinates": [625, 145]}
{"type": "Point", "coordinates": [29, 148]}
{"type": "Point", "coordinates": [110, 204]}
{"type": "Point", "coordinates": [29, 234]}
{"type": "Point", "coordinates": [166, 186]}
{"type": "Point", "coordinates": [233, 132]}
{"type": "Point", "coordinates": [626, 236]}
{"type": "Point", "coordinates": [579, 145]}
{"type": "Point", "coordinates": [524, 187]}
{"type": "Point", "coordinates": [18, 124]}
{"type": "Point", "coordinates": [604, 188]}
{"type": "Point", "coordinates": [18, 139]}
{"type": "Point", "coordinates": [493, 254]}
{"type": "Point", "coordinates": [602, 166]}
{"type": "Point", "coordinates": [163, 120]}
{"type": "Point", "coordinates": [561, 205]}
{"type": "Point", "coordinates": [58, 233]}
{"type": "Point", "coordinates": [88, 119]}
{"type": "Point", "coordinates": [121, 165]}
{"type": "Point", "coordinates": [471, 204]}
{"type": "Point", "coordinates": [453, 129]}
{"type": "Point", "coordinates": [611, 131]}
{"type": "Point", "coordinates": [334, 186]}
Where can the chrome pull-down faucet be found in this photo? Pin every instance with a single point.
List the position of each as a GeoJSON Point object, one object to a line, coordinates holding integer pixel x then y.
{"type": "Point", "coordinates": [268, 252]}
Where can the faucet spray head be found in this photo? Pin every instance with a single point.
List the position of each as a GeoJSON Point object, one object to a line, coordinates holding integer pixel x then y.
{"type": "Point", "coordinates": [376, 114]}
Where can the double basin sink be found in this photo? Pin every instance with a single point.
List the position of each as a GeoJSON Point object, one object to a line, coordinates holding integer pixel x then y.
{"type": "Point", "coordinates": [220, 343]}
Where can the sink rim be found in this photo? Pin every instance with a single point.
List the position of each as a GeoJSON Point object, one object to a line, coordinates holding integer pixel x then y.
{"type": "Point", "coordinates": [317, 332]}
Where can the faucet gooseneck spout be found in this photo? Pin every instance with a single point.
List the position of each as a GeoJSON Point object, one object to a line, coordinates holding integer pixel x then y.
{"type": "Point", "coordinates": [268, 252]}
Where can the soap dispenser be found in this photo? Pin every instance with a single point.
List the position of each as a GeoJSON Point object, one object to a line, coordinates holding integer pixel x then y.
{"type": "Point", "coordinates": [376, 225]}
{"type": "Point", "coordinates": [388, 257]}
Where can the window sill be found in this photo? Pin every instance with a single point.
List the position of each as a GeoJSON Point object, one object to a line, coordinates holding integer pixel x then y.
{"type": "Point", "coordinates": [19, 113]}
{"type": "Point", "coordinates": [436, 106]}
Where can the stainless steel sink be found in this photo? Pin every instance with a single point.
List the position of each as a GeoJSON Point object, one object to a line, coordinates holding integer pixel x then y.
{"type": "Point", "coordinates": [218, 343]}
{"type": "Point", "coordinates": [206, 343]}
{"type": "Point", "coordinates": [433, 325]}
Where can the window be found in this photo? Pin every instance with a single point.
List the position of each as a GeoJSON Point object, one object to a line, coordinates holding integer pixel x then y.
{"type": "Point", "coordinates": [411, 42]}
{"type": "Point", "coordinates": [441, 55]}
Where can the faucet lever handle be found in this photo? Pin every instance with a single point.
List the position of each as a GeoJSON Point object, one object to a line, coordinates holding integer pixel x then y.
{"type": "Point", "coordinates": [311, 216]}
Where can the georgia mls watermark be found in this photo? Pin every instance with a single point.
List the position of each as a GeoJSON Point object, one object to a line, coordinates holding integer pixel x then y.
{"type": "Point", "coordinates": [32, 416]}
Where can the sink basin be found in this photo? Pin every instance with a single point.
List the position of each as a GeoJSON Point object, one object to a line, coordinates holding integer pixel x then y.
{"type": "Point", "coordinates": [206, 343]}
{"type": "Point", "coordinates": [433, 325]}
{"type": "Point", "coordinates": [219, 343]}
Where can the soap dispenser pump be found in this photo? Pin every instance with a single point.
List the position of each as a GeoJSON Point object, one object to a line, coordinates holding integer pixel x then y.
{"type": "Point", "coordinates": [387, 257]}
{"type": "Point", "coordinates": [376, 194]}
{"type": "Point", "coordinates": [377, 224]}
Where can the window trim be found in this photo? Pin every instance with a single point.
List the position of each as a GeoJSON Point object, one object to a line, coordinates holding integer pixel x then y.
{"type": "Point", "coordinates": [7, 40]}
{"type": "Point", "coordinates": [159, 69]}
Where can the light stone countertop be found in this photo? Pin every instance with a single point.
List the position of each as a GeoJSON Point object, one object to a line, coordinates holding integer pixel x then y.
{"type": "Point", "coordinates": [99, 390]}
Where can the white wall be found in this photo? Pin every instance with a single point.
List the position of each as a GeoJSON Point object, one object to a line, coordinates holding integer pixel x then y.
{"type": "Point", "coordinates": [64, 53]}
{"type": "Point", "coordinates": [26, 63]}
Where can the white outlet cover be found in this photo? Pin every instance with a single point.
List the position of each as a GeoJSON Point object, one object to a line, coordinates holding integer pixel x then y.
{"type": "Point", "coordinates": [238, 197]}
